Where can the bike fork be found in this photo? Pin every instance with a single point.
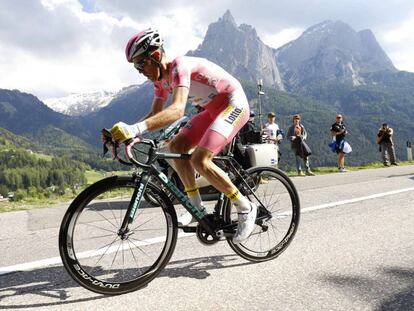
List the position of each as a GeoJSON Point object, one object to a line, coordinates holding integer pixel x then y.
{"type": "Point", "coordinates": [140, 186]}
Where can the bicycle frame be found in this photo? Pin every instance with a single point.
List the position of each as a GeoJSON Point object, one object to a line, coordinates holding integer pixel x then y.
{"type": "Point", "coordinates": [151, 170]}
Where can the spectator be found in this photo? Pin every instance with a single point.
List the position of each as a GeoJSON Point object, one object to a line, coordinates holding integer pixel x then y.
{"type": "Point", "coordinates": [384, 139]}
{"type": "Point", "coordinates": [297, 135]}
{"type": "Point", "coordinates": [338, 132]}
{"type": "Point", "coordinates": [271, 129]}
{"type": "Point", "coordinates": [246, 135]}
{"type": "Point", "coordinates": [247, 131]}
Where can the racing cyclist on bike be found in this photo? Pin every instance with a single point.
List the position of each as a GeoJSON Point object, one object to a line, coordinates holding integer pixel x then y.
{"type": "Point", "coordinates": [226, 110]}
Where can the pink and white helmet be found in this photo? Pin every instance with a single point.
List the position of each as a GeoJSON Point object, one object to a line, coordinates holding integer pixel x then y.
{"type": "Point", "coordinates": [143, 42]}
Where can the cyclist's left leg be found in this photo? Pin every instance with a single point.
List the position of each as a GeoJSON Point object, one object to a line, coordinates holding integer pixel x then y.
{"type": "Point", "coordinates": [230, 113]}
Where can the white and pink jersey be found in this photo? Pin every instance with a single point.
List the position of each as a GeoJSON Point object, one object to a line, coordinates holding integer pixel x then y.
{"type": "Point", "coordinates": [211, 87]}
{"type": "Point", "coordinates": [203, 78]}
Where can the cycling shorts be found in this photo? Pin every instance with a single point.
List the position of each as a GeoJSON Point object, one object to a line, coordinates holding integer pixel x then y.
{"type": "Point", "coordinates": [217, 125]}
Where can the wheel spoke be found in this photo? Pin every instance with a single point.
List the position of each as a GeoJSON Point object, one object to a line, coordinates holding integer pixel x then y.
{"type": "Point", "coordinates": [113, 214]}
{"type": "Point", "coordinates": [107, 219]}
{"type": "Point", "coordinates": [139, 248]}
{"type": "Point", "coordinates": [141, 224]}
{"type": "Point", "coordinates": [91, 225]}
{"type": "Point", "coordinates": [108, 246]}
{"type": "Point", "coordinates": [115, 255]}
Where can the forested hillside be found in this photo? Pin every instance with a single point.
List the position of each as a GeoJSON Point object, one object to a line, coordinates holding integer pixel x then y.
{"type": "Point", "coordinates": [364, 111]}
{"type": "Point", "coordinates": [24, 172]}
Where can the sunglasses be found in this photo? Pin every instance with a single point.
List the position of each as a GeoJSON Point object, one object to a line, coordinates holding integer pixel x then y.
{"type": "Point", "coordinates": [140, 64]}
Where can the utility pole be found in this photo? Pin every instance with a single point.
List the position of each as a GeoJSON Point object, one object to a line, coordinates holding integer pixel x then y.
{"type": "Point", "coordinates": [409, 151]}
{"type": "Point", "coordinates": [260, 93]}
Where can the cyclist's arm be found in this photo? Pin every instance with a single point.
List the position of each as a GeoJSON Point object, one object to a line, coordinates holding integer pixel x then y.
{"type": "Point", "coordinates": [171, 113]}
{"type": "Point", "coordinates": [157, 106]}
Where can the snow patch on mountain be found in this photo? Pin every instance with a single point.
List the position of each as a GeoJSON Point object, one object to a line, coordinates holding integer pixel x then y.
{"type": "Point", "coordinates": [80, 104]}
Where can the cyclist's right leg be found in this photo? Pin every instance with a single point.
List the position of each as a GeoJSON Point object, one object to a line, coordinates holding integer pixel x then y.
{"type": "Point", "coordinates": [228, 114]}
{"type": "Point", "coordinates": [201, 160]}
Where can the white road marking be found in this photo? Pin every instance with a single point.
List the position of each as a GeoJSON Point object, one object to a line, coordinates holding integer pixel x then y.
{"type": "Point", "coordinates": [368, 197]}
{"type": "Point", "coordinates": [56, 260]}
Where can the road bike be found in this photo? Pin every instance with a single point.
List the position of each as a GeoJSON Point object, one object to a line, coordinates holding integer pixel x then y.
{"type": "Point", "coordinates": [112, 241]}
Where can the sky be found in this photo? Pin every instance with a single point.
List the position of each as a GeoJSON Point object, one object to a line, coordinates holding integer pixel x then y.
{"type": "Point", "coordinates": [51, 48]}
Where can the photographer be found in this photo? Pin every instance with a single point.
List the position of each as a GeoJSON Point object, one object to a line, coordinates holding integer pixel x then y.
{"type": "Point", "coordinates": [384, 139]}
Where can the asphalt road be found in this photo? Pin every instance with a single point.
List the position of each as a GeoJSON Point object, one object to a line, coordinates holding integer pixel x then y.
{"type": "Point", "coordinates": [354, 250]}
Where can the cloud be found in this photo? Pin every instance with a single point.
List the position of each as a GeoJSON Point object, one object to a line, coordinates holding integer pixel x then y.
{"type": "Point", "coordinates": [399, 43]}
{"type": "Point", "coordinates": [53, 47]}
{"type": "Point", "coordinates": [59, 48]}
{"type": "Point", "coordinates": [282, 37]}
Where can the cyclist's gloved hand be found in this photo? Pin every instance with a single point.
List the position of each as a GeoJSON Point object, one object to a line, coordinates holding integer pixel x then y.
{"type": "Point", "coordinates": [122, 132]}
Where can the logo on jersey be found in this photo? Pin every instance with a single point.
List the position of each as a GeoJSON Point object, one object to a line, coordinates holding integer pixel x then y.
{"type": "Point", "coordinates": [206, 79]}
{"type": "Point", "coordinates": [234, 116]}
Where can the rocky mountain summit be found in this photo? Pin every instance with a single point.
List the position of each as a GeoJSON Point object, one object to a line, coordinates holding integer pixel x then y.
{"type": "Point", "coordinates": [240, 51]}
{"type": "Point", "coordinates": [330, 51]}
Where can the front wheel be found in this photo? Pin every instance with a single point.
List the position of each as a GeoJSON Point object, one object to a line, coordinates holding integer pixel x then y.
{"type": "Point", "coordinates": [278, 208]}
{"type": "Point", "coordinates": [94, 251]}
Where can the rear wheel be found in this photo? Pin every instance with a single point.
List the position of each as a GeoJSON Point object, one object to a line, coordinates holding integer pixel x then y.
{"type": "Point", "coordinates": [278, 217]}
{"type": "Point", "coordinates": [101, 259]}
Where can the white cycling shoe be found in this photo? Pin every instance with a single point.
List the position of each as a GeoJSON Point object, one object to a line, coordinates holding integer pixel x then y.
{"type": "Point", "coordinates": [185, 219]}
{"type": "Point", "coordinates": [246, 224]}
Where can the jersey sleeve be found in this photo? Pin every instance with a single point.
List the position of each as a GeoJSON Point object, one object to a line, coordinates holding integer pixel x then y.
{"type": "Point", "coordinates": [181, 74]}
{"type": "Point", "coordinates": [160, 92]}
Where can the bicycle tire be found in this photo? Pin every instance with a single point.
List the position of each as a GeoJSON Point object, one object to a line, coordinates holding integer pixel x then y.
{"type": "Point", "coordinates": [93, 218]}
{"type": "Point", "coordinates": [272, 187]}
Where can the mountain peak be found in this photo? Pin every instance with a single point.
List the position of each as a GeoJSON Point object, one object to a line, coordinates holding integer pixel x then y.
{"type": "Point", "coordinates": [329, 28]}
{"type": "Point", "coordinates": [239, 51]}
{"type": "Point", "coordinates": [228, 18]}
{"type": "Point", "coordinates": [331, 50]}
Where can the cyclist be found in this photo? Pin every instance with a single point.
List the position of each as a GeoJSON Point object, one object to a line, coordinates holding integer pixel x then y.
{"type": "Point", "coordinates": [226, 110]}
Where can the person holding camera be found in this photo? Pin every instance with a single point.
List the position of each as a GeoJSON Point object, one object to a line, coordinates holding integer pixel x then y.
{"type": "Point", "coordinates": [384, 139]}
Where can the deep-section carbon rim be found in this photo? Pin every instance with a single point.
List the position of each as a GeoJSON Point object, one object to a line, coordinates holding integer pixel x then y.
{"type": "Point", "coordinates": [101, 260]}
{"type": "Point", "coordinates": [278, 194]}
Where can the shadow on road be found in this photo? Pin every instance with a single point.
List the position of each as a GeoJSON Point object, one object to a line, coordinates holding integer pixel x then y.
{"type": "Point", "coordinates": [393, 289]}
{"type": "Point", "coordinates": [401, 175]}
{"type": "Point", "coordinates": [52, 286]}
{"type": "Point", "coordinates": [197, 268]}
